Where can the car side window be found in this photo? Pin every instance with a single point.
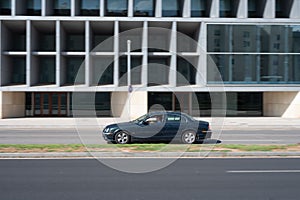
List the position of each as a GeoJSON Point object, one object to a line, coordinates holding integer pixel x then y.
{"type": "Point", "coordinates": [173, 118]}
{"type": "Point", "coordinates": [155, 119]}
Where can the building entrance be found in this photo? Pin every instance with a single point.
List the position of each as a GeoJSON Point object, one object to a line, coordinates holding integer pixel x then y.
{"type": "Point", "coordinates": [49, 104]}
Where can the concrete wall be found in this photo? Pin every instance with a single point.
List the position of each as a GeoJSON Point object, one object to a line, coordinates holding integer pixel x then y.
{"type": "Point", "coordinates": [282, 104]}
{"type": "Point", "coordinates": [12, 104]}
{"type": "Point", "coordinates": [129, 106]}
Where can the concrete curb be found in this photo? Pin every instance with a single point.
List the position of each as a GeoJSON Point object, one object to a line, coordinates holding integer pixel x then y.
{"type": "Point", "coordinates": [148, 154]}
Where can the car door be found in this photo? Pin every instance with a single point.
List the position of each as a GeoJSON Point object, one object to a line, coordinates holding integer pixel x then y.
{"type": "Point", "coordinates": [151, 128]}
{"type": "Point", "coordinates": [175, 123]}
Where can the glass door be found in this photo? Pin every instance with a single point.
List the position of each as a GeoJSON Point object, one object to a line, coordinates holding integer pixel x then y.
{"type": "Point", "coordinates": [50, 104]}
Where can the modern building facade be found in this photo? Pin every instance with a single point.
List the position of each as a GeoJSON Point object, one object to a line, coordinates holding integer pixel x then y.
{"type": "Point", "coordinates": [254, 44]}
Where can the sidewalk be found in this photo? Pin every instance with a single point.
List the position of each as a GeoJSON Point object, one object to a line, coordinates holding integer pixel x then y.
{"type": "Point", "coordinates": [229, 123]}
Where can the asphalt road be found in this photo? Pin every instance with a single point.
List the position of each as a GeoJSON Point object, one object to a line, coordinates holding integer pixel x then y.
{"type": "Point", "coordinates": [70, 136]}
{"type": "Point", "coordinates": [226, 179]}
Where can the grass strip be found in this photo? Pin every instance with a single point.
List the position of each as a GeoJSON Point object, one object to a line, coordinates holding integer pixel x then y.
{"type": "Point", "coordinates": [159, 147]}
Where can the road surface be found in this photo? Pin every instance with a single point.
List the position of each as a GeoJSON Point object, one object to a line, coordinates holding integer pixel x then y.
{"type": "Point", "coordinates": [226, 179]}
{"type": "Point", "coordinates": [70, 136]}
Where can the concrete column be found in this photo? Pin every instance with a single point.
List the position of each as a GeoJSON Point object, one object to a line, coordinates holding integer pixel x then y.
{"type": "Point", "coordinates": [1, 51]}
{"type": "Point", "coordinates": [270, 9]}
{"type": "Point", "coordinates": [102, 8]}
{"type": "Point", "coordinates": [12, 104]}
{"type": "Point", "coordinates": [130, 8]}
{"type": "Point", "coordinates": [202, 61]}
{"type": "Point", "coordinates": [187, 8]}
{"type": "Point", "coordinates": [215, 9]}
{"type": "Point", "coordinates": [242, 9]}
{"type": "Point", "coordinates": [295, 10]}
{"type": "Point", "coordinates": [58, 49]}
{"type": "Point", "coordinates": [13, 7]}
{"type": "Point", "coordinates": [129, 105]}
{"type": "Point", "coordinates": [73, 9]}
{"type": "Point", "coordinates": [87, 54]}
{"type": "Point", "coordinates": [173, 50]}
{"type": "Point", "coordinates": [43, 4]}
{"type": "Point", "coordinates": [145, 55]}
{"type": "Point", "coordinates": [28, 53]}
{"type": "Point", "coordinates": [116, 54]}
{"type": "Point", "coordinates": [282, 104]}
{"type": "Point", "coordinates": [158, 8]}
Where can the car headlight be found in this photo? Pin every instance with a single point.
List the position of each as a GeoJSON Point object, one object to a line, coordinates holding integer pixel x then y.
{"type": "Point", "coordinates": [108, 130]}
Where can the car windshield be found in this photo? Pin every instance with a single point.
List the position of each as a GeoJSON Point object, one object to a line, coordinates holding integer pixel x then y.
{"type": "Point", "coordinates": [138, 120]}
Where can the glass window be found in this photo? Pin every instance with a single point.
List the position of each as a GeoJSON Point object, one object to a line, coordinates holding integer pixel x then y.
{"type": "Point", "coordinates": [253, 38]}
{"type": "Point", "coordinates": [159, 100]}
{"type": "Point", "coordinates": [18, 72]}
{"type": "Point", "coordinates": [116, 7]}
{"type": "Point", "coordinates": [172, 8]}
{"type": "Point", "coordinates": [62, 7]}
{"type": "Point", "coordinates": [200, 8]}
{"type": "Point", "coordinates": [102, 70]}
{"type": "Point", "coordinates": [89, 8]}
{"type": "Point", "coordinates": [75, 42]}
{"type": "Point", "coordinates": [144, 8]}
{"type": "Point", "coordinates": [160, 65]}
{"type": "Point", "coordinates": [47, 70]}
{"type": "Point", "coordinates": [34, 7]}
{"type": "Point", "coordinates": [85, 107]}
{"type": "Point", "coordinates": [136, 70]}
{"type": "Point", "coordinates": [47, 42]}
{"type": "Point", "coordinates": [228, 8]}
{"type": "Point", "coordinates": [5, 7]}
{"type": "Point", "coordinates": [283, 8]}
{"type": "Point", "coordinates": [186, 72]}
{"type": "Point", "coordinates": [73, 65]}
{"type": "Point", "coordinates": [256, 8]}
{"type": "Point", "coordinates": [173, 118]}
{"type": "Point", "coordinates": [102, 104]}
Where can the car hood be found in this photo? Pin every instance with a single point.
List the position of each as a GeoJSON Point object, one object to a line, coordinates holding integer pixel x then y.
{"type": "Point", "coordinates": [120, 125]}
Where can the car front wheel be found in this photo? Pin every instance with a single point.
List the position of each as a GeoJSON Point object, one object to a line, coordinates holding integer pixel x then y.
{"type": "Point", "coordinates": [122, 138]}
{"type": "Point", "coordinates": [188, 137]}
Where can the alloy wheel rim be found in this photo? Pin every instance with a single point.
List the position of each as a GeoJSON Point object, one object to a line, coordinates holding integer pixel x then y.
{"type": "Point", "coordinates": [189, 138]}
{"type": "Point", "coordinates": [122, 138]}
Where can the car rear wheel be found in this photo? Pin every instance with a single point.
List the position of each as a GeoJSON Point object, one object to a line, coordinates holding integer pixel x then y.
{"type": "Point", "coordinates": [122, 138]}
{"type": "Point", "coordinates": [188, 137]}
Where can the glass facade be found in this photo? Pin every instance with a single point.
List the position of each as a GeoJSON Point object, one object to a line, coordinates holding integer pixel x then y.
{"type": "Point", "coordinates": [46, 70]}
{"type": "Point", "coordinates": [136, 70]}
{"type": "Point", "coordinates": [62, 8]}
{"type": "Point", "coordinates": [256, 8]}
{"type": "Point", "coordinates": [186, 72]}
{"type": "Point", "coordinates": [72, 68]}
{"type": "Point", "coordinates": [200, 8]}
{"type": "Point", "coordinates": [103, 71]}
{"type": "Point", "coordinates": [262, 64]}
{"type": "Point", "coordinates": [75, 42]}
{"type": "Point", "coordinates": [243, 104]}
{"type": "Point", "coordinates": [228, 8]}
{"type": "Point", "coordinates": [283, 8]}
{"type": "Point", "coordinates": [172, 8]}
{"type": "Point", "coordinates": [5, 7]}
{"type": "Point", "coordinates": [102, 105]}
{"type": "Point", "coordinates": [144, 8]}
{"type": "Point", "coordinates": [89, 7]}
{"type": "Point", "coordinates": [116, 7]}
{"type": "Point", "coordinates": [161, 65]}
{"type": "Point", "coordinates": [34, 7]}
{"type": "Point", "coordinates": [18, 72]}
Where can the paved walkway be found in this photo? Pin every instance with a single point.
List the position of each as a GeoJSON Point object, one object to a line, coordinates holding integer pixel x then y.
{"type": "Point", "coordinates": [229, 123]}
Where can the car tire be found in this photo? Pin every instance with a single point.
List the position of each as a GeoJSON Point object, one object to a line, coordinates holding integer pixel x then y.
{"type": "Point", "coordinates": [122, 137]}
{"type": "Point", "coordinates": [188, 137]}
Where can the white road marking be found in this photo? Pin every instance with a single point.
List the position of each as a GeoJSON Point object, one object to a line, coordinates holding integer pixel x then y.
{"type": "Point", "coordinates": [264, 171]}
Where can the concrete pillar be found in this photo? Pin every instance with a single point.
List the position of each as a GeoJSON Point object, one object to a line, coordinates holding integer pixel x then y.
{"type": "Point", "coordinates": [12, 104]}
{"type": "Point", "coordinates": [215, 9]}
{"type": "Point", "coordinates": [270, 9]}
{"type": "Point", "coordinates": [158, 8]}
{"type": "Point", "coordinates": [282, 104]}
{"type": "Point", "coordinates": [129, 105]}
{"type": "Point", "coordinates": [242, 9]}
{"type": "Point", "coordinates": [187, 8]}
{"type": "Point", "coordinates": [295, 9]}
